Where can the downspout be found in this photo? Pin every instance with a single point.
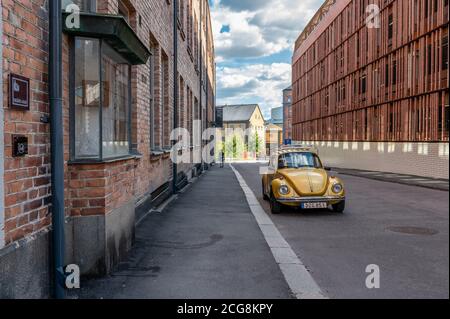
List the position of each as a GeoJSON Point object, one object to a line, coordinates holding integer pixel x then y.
{"type": "Point", "coordinates": [201, 78]}
{"type": "Point", "coordinates": [2, 149]}
{"type": "Point", "coordinates": [207, 77]}
{"type": "Point", "coordinates": [175, 92]}
{"type": "Point", "coordinates": [57, 146]}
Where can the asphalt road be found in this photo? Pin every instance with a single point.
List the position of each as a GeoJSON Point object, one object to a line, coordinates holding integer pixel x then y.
{"type": "Point", "coordinates": [338, 248]}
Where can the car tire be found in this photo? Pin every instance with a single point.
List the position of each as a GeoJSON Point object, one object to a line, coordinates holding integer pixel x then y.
{"type": "Point", "coordinates": [339, 208]}
{"type": "Point", "coordinates": [265, 197]}
{"type": "Point", "coordinates": [275, 207]}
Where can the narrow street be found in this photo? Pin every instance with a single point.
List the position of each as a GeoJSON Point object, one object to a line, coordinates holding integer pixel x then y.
{"type": "Point", "coordinates": [215, 249]}
{"type": "Point", "coordinates": [338, 248]}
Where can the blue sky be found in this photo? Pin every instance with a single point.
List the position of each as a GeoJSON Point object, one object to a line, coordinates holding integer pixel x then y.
{"type": "Point", "coordinates": [254, 42]}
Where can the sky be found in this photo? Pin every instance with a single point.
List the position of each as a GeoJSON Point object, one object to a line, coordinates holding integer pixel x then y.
{"type": "Point", "coordinates": [254, 42]}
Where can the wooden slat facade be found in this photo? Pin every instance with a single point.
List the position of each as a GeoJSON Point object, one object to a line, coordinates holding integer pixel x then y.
{"type": "Point", "coordinates": [355, 83]}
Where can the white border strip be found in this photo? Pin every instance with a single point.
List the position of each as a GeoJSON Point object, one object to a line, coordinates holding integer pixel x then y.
{"type": "Point", "coordinates": [294, 271]}
{"type": "Point", "coordinates": [2, 146]}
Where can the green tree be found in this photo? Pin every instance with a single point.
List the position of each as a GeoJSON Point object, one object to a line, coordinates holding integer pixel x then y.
{"type": "Point", "coordinates": [234, 147]}
{"type": "Point", "coordinates": [255, 144]}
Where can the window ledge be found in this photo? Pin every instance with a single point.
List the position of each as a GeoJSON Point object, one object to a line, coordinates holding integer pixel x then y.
{"type": "Point", "coordinates": [156, 153]}
{"type": "Point", "coordinates": [104, 161]}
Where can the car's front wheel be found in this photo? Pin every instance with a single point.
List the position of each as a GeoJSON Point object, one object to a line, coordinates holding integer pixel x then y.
{"type": "Point", "coordinates": [339, 208]}
{"type": "Point", "coordinates": [275, 207]}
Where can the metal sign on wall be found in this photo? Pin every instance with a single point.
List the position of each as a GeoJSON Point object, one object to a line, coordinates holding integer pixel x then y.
{"type": "Point", "coordinates": [19, 92]}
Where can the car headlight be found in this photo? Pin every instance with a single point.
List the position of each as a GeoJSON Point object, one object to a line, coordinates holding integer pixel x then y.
{"type": "Point", "coordinates": [284, 190]}
{"type": "Point", "coordinates": [337, 188]}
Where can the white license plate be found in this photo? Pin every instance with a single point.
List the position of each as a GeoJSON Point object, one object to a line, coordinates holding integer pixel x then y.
{"type": "Point", "coordinates": [317, 205]}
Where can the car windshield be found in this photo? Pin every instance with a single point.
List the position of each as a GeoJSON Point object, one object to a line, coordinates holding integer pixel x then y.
{"type": "Point", "coordinates": [299, 160]}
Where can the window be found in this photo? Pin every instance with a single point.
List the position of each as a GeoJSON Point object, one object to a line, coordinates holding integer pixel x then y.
{"type": "Point", "coordinates": [153, 84]}
{"type": "Point", "coordinates": [84, 5]}
{"type": "Point", "coordinates": [386, 74]}
{"type": "Point", "coordinates": [181, 12]}
{"type": "Point", "coordinates": [101, 102]}
{"type": "Point", "coordinates": [299, 160]}
{"type": "Point", "coordinates": [445, 53]}
{"type": "Point", "coordinates": [87, 98]}
{"type": "Point", "coordinates": [394, 73]}
{"type": "Point", "coordinates": [429, 55]}
{"type": "Point", "coordinates": [363, 84]}
{"type": "Point", "coordinates": [116, 103]}
{"type": "Point", "coordinates": [165, 112]}
{"type": "Point", "coordinates": [390, 26]}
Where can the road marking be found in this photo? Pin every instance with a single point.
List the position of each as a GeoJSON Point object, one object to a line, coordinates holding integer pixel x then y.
{"type": "Point", "coordinates": [294, 271]}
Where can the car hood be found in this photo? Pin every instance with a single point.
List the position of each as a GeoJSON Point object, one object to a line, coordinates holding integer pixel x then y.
{"type": "Point", "coordinates": [306, 181]}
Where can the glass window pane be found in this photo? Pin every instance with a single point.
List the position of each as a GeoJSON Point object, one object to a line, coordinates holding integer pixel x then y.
{"type": "Point", "coordinates": [87, 98]}
{"type": "Point", "coordinates": [115, 77]}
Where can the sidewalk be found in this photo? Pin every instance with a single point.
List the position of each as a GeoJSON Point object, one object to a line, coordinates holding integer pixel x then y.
{"type": "Point", "coordinates": [206, 244]}
{"type": "Point", "coordinates": [433, 183]}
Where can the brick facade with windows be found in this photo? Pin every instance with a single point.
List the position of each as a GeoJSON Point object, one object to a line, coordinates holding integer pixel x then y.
{"type": "Point", "coordinates": [356, 83]}
{"type": "Point", "coordinates": [110, 182]}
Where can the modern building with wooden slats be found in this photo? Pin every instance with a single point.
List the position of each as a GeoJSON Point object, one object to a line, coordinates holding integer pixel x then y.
{"type": "Point", "coordinates": [370, 85]}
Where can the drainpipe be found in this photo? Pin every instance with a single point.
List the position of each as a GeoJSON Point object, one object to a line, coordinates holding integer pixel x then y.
{"type": "Point", "coordinates": [57, 146]}
{"type": "Point", "coordinates": [207, 78]}
{"type": "Point", "coordinates": [201, 78]}
{"type": "Point", "coordinates": [175, 91]}
{"type": "Point", "coordinates": [2, 155]}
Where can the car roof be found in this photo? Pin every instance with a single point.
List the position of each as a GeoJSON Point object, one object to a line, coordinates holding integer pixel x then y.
{"type": "Point", "coordinates": [297, 149]}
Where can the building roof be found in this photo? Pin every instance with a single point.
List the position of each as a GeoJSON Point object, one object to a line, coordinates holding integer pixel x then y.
{"type": "Point", "coordinates": [275, 127]}
{"type": "Point", "coordinates": [238, 113]}
{"type": "Point", "coordinates": [277, 114]}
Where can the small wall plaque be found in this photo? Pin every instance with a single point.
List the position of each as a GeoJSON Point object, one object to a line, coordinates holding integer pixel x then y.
{"type": "Point", "coordinates": [20, 145]}
{"type": "Point", "coordinates": [19, 92]}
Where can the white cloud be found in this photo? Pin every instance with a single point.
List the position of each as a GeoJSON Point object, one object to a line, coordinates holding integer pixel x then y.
{"type": "Point", "coordinates": [259, 28]}
{"type": "Point", "coordinates": [246, 31]}
{"type": "Point", "coordinates": [254, 83]}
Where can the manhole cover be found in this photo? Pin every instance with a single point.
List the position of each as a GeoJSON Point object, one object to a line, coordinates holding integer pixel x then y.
{"type": "Point", "coordinates": [414, 230]}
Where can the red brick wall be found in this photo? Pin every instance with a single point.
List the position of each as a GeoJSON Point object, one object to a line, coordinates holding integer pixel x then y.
{"type": "Point", "coordinates": [89, 189]}
{"type": "Point", "coordinates": [27, 179]}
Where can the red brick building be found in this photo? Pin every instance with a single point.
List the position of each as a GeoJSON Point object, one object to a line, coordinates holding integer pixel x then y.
{"type": "Point", "coordinates": [375, 84]}
{"type": "Point", "coordinates": [118, 115]}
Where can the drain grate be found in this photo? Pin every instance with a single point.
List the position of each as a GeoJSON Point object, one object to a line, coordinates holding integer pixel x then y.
{"type": "Point", "coordinates": [413, 230]}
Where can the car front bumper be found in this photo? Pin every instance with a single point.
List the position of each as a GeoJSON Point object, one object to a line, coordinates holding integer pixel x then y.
{"type": "Point", "coordinates": [331, 200]}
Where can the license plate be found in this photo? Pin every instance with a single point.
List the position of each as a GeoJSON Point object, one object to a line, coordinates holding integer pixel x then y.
{"type": "Point", "coordinates": [318, 205]}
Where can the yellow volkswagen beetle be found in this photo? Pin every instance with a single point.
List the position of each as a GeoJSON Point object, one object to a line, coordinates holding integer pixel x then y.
{"type": "Point", "coordinates": [296, 178]}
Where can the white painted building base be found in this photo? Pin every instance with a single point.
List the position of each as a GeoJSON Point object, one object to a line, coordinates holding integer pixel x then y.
{"type": "Point", "coordinates": [420, 159]}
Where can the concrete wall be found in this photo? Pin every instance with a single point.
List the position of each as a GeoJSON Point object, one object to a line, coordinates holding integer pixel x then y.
{"type": "Point", "coordinates": [421, 159]}
{"type": "Point", "coordinates": [94, 243]}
